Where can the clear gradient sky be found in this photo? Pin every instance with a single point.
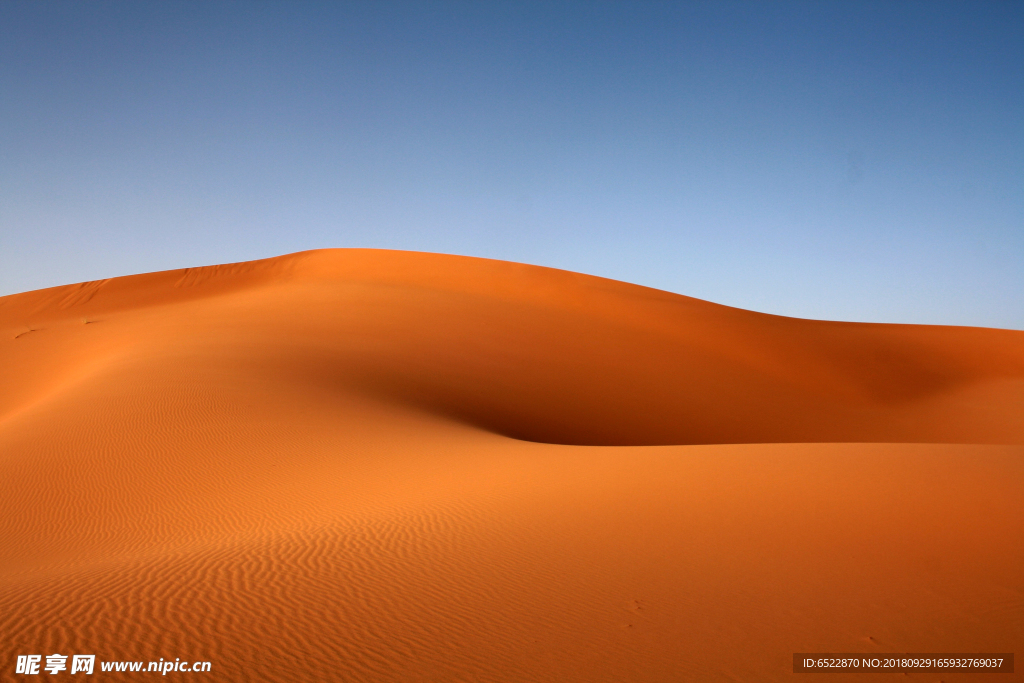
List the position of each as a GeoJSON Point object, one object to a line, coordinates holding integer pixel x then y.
{"type": "Point", "coordinates": [852, 160]}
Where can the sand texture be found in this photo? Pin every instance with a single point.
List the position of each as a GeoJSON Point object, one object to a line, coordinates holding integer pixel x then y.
{"type": "Point", "coordinates": [360, 465]}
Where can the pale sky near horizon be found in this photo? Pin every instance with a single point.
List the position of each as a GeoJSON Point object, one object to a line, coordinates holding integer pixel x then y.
{"type": "Point", "coordinates": [847, 161]}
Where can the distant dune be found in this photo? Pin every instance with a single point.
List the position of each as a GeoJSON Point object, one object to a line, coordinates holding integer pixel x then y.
{"type": "Point", "coordinates": [362, 465]}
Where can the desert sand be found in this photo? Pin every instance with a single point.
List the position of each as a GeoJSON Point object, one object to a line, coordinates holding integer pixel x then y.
{"type": "Point", "coordinates": [361, 465]}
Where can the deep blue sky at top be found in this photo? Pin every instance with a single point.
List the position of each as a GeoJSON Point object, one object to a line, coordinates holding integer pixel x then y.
{"type": "Point", "coordinates": [852, 160]}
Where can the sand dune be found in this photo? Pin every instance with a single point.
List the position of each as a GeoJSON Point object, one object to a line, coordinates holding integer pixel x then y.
{"type": "Point", "coordinates": [388, 466]}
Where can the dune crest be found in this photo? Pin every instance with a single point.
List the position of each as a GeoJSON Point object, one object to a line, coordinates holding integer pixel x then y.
{"type": "Point", "coordinates": [555, 357]}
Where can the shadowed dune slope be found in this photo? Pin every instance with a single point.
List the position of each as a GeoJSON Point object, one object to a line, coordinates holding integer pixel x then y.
{"type": "Point", "coordinates": [533, 353]}
{"type": "Point", "coordinates": [384, 466]}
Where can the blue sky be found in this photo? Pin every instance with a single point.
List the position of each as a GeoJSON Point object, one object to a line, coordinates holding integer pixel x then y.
{"type": "Point", "coordinates": [852, 161]}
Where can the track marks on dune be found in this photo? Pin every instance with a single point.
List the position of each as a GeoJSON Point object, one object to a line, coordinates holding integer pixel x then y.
{"type": "Point", "coordinates": [66, 296]}
{"type": "Point", "coordinates": [192, 277]}
{"type": "Point", "coordinates": [79, 294]}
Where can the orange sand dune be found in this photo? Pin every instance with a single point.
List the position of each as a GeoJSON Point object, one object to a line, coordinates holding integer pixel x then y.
{"type": "Point", "coordinates": [364, 465]}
